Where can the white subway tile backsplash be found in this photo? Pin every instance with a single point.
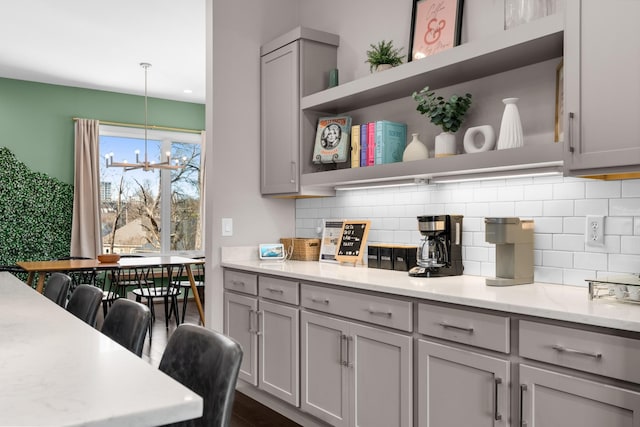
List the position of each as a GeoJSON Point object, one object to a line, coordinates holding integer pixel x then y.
{"type": "Point", "coordinates": [630, 188]}
{"type": "Point", "coordinates": [557, 259]}
{"type": "Point", "coordinates": [624, 207]}
{"type": "Point", "coordinates": [568, 190]}
{"type": "Point", "coordinates": [590, 260]}
{"type": "Point", "coordinates": [591, 207]}
{"type": "Point", "coordinates": [603, 189]}
{"type": "Point", "coordinates": [630, 245]}
{"type": "Point", "coordinates": [557, 208]}
{"type": "Point", "coordinates": [557, 205]}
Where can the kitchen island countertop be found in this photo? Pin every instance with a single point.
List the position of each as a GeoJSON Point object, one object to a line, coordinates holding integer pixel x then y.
{"type": "Point", "coordinates": [557, 302]}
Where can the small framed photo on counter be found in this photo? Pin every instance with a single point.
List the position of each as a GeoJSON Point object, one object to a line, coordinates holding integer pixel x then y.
{"type": "Point", "coordinates": [436, 25]}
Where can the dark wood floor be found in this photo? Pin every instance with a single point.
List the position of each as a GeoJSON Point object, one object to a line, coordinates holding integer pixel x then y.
{"type": "Point", "coordinates": [246, 411]}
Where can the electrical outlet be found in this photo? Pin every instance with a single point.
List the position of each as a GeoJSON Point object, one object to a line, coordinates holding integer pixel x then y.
{"type": "Point", "coordinates": [594, 230]}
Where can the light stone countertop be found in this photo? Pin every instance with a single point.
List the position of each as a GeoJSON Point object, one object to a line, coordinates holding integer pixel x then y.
{"type": "Point", "coordinates": [55, 370]}
{"type": "Point", "coordinates": [557, 302]}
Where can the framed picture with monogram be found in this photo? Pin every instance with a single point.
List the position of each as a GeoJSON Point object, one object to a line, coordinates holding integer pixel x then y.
{"type": "Point", "coordinates": [435, 26]}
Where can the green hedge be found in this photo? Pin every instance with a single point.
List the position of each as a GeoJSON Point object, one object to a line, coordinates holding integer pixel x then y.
{"type": "Point", "coordinates": [35, 213]}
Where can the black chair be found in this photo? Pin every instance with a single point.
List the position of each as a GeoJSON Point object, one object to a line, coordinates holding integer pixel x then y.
{"type": "Point", "coordinates": [158, 285]}
{"type": "Point", "coordinates": [207, 362]}
{"type": "Point", "coordinates": [127, 323]}
{"type": "Point", "coordinates": [57, 288]}
{"type": "Point", "coordinates": [85, 302]}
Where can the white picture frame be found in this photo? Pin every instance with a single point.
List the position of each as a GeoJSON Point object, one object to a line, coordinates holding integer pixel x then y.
{"type": "Point", "coordinates": [331, 232]}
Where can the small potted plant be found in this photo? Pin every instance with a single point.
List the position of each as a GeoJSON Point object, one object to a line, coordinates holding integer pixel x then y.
{"type": "Point", "coordinates": [447, 114]}
{"type": "Point", "coordinates": [383, 55]}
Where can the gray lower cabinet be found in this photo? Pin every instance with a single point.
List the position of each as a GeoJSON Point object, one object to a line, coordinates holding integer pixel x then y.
{"type": "Point", "coordinates": [279, 332]}
{"type": "Point", "coordinates": [268, 331]}
{"type": "Point", "coordinates": [458, 387]}
{"type": "Point", "coordinates": [355, 375]}
{"type": "Point", "coordinates": [240, 313]}
{"type": "Point", "coordinates": [549, 398]}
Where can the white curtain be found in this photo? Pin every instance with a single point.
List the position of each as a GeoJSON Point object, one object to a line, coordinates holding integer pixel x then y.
{"type": "Point", "coordinates": [86, 239]}
{"type": "Point", "coordinates": [203, 144]}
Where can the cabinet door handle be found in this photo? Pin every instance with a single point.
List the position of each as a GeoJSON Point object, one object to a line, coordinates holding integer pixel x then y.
{"type": "Point", "coordinates": [349, 341]}
{"type": "Point", "coordinates": [523, 388]}
{"type": "Point", "coordinates": [275, 291]}
{"type": "Point", "coordinates": [259, 314]}
{"type": "Point", "coordinates": [561, 349]}
{"type": "Point", "coordinates": [379, 312]}
{"type": "Point", "coordinates": [342, 360]}
{"type": "Point", "coordinates": [320, 300]}
{"type": "Point", "coordinates": [570, 133]}
{"type": "Point", "coordinates": [458, 328]}
{"type": "Point", "coordinates": [293, 172]}
{"type": "Point", "coordinates": [496, 415]}
{"type": "Point", "coordinates": [251, 329]}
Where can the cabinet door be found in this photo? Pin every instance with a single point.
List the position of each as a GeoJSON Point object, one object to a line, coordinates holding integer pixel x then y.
{"type": "Point", "coordinates": [552, 399]}
{"type": "Point", "coordinates": [279, 351]}
{"type": "Point", "coordinates": [280, 120]}
{"type": "Point", "coordinates": [461, 388]}
{"type": "Point", "coordinates": [380, 365]}
{"type": "Point", "coordinates": [240, 323]}
{"type": "Point", "coordinates": [602, 84]}
{"type": "Point", "coordinates": [324, 377]}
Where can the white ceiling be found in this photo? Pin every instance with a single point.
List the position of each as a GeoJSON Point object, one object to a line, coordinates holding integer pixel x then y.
{"type": "Point", "coordinates": [100, 44]}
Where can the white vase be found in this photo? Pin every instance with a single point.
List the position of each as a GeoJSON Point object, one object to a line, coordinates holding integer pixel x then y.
{"type": "Point", "coordinates": [511, 128]}
{"type": "Point", "coordinates": [486, 143]}
{"type": "Point", "coordinates": [382, 67]}
{"type": "Point", "coordinates": [415, 150]}
{"type": "Point", "coordinates": [445, 144]}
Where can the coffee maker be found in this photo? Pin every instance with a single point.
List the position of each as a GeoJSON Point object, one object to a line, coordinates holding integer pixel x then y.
{"type": "Point", "coordinates": [440, 253]}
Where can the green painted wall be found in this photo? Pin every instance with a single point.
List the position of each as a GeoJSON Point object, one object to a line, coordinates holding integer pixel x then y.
{"type": "Point", "coordinates": [36, 120]}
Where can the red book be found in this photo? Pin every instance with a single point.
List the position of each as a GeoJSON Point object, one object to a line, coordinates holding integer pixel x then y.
{"type": "Point", "coordinates": [371, 143]}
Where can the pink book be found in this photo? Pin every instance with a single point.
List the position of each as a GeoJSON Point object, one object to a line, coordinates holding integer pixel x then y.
{"type": "Point", "coordinates": [371, 143]}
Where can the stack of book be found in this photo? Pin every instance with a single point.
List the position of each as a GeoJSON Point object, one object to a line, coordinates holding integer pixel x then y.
{"type": "Point", "coordinates": [377, 143]}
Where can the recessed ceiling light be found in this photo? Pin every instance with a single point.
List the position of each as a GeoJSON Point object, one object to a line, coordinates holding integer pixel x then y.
{"type": "Point", "coordinates": [188, 91]}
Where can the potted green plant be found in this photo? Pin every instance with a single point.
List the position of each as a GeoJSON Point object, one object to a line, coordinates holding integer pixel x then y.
{"type": "Point", "coordinates": [383, 55]}
{"type": "Point", "coordinates": [448, 114]}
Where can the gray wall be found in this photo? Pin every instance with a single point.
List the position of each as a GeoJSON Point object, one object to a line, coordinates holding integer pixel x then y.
{"type": "Point", "coordinates": [235, 32]}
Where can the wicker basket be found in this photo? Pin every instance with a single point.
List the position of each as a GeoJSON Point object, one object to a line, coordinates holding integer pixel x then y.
{"type": "Point", "coordinates": [302, 249]}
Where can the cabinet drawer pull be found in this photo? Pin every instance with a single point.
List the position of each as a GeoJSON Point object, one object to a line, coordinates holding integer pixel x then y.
{"type": "Point", "coordinates": [458, 328]}
{"type": "Point", "coordinates": [379, 313]}
{"type": "Point", "coordinates": [320, 300]}
{"type": "Point", "coordinates": [496, 415]}
{"type": "Point", "coordinates": [561, 349]}
{"type": "Point", "coordinates": [237, 283]}
{"type": "Point", "coordinates": [276, 291]}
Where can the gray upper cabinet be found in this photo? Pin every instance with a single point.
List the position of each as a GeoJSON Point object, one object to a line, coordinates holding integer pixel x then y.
{"type": "Point", "coordinates": [602, 84]}
{"type": "Point", "coordinates": [294, 65]}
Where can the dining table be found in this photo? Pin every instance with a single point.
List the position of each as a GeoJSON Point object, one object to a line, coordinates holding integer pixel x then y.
{"type": "Point", "coordinates": [56, 370]}
{"type": "Point", "coordinates": [41, 268]}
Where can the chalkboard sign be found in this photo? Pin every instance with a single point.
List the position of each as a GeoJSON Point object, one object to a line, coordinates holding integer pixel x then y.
{"type": "Point", "coordinates": [353, 240]}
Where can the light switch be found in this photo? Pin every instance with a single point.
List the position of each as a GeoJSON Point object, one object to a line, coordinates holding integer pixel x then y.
{"type": "Point", "coordinates": [227, 226]}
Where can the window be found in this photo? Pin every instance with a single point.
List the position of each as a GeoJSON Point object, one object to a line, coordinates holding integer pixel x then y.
{"type": "Point", "coordinates": [155, 211]}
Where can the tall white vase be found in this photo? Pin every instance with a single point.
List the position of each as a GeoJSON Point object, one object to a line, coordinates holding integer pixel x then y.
{"type": "Point", "coordinates": [415, 150]}
{"type": "Point", "coordinates": [511, 128]}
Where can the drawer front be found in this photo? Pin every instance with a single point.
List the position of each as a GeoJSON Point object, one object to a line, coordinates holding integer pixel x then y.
{"type": "Point", "coordinates": [241, 282]}
{"type": "Point", "coordinates": [279, 290]}
{"type": "Point", "coordinates": [478, 329]}
{"type": "Point", "coordinates": [383, 311]}
{"type": "Point", "coordinates": [601, 354]}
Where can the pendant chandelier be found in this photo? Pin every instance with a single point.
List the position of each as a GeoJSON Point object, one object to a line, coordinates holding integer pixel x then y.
{"type": "Point", "coordinates": [146, 165]}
